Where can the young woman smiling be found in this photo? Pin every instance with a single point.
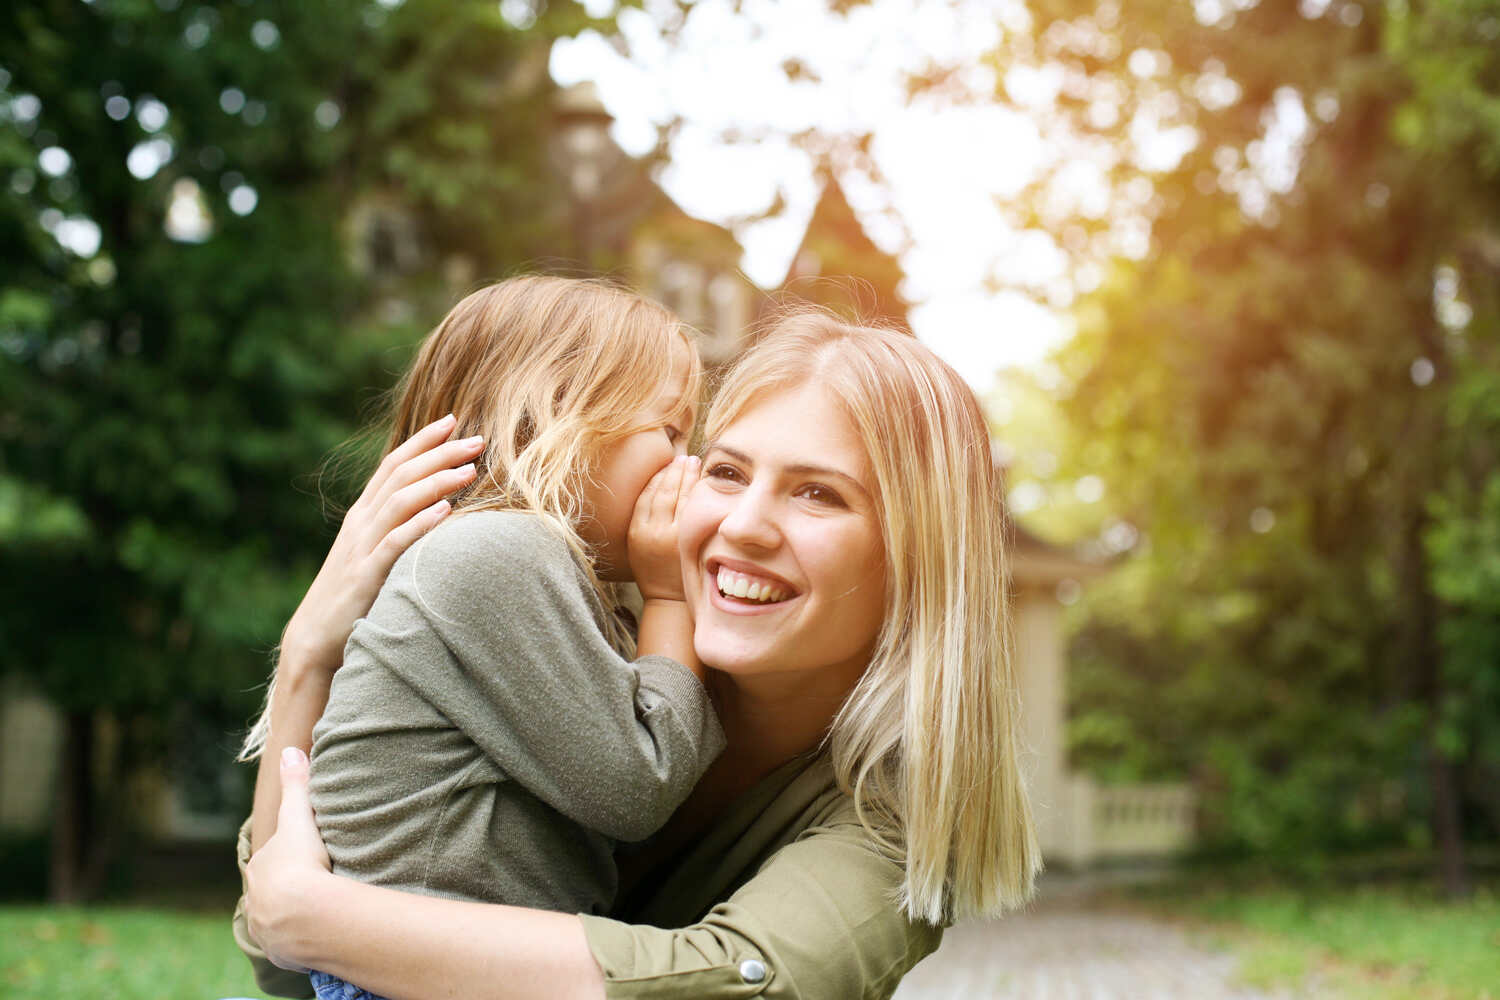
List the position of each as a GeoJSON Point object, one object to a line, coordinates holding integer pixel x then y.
{"type": "Point", "coordinates": [843, 559]}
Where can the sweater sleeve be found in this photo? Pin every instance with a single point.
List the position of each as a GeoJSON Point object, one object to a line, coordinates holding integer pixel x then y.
{"type": "Point", "coordinates": [614, 745]}
{"type": "Point", "coordinates": [818, 921]}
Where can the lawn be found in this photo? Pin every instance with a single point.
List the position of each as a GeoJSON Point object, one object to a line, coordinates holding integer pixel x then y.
{"type": "Point", "coordinates": [123, 953]}
{"type": "Point", "coordinates": [1389, 941]}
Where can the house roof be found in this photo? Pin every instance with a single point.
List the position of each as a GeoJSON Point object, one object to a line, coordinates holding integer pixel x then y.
{"type": "Point", "coordinates": [1037, 563]}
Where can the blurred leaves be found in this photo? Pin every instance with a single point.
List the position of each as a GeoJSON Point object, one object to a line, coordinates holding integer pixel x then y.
{"type": "Point", "coordinates": [1291, 393]}
{"type": "Point", "coordinates": [224, 225]}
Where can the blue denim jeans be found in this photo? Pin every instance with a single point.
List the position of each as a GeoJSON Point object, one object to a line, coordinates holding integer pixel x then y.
{"type": "Point", "coordinates": [333, 988]}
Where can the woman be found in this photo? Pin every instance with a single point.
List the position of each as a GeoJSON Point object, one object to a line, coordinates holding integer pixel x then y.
{"type": "Point", "coordinates": [843, 559]}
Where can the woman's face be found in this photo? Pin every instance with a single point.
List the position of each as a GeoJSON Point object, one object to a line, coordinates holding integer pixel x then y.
{"type": "Point", "coordinates": [783, 562]}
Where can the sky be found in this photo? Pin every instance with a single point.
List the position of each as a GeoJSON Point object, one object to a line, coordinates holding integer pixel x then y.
{"type": "Point", "coordinates": [947, 169]}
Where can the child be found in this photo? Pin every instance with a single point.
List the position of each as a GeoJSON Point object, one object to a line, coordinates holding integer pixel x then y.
{"type": "Point", "coordinates": [488, 736]}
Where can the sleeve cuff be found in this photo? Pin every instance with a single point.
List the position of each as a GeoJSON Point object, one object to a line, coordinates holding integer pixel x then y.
{"type": "Point", "coordinates": [647, 962]}
{"type": "Point", "coordinates": [682, 689]}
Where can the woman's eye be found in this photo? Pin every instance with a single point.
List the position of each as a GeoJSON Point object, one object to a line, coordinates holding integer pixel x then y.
{"type": "Point", "coordinates": [823, 495]}
{"type": "Point", "coordinates": [719, 470]}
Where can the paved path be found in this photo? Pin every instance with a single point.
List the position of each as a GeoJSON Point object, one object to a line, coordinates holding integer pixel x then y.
{"type": "Point", "coordinates": [1064, 950]}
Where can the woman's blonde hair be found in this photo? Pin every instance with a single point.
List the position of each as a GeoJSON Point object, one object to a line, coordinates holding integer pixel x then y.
{"type": "Point", "coordinates": [927, 743]}
{"type": "Point", "coordinates": [550, 370]}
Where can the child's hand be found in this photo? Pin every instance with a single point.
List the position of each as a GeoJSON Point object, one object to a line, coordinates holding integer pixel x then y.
{"type": "Point", "coordinates": [652, 545]}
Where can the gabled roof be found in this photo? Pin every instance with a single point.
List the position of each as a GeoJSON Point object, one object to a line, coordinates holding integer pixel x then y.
{"type": "Point", "coordinates": [838, 265]}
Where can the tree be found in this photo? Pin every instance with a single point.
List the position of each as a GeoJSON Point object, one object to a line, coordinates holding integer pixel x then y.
{"type": "Point", "coordinates": [1283, 387]}
{"type": "Point", "coordinates": [225, 226]}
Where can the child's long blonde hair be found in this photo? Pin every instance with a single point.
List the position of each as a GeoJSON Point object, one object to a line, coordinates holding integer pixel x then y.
{"type": "Point", "coordinates": [927, 742]}
{"type": "Point", "coordinates": [550, 370]}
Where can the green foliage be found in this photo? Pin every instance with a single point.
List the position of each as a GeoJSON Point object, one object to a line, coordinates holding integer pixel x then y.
{"type": "Point", "coordinates": [1292, 396]}
{"type": "Point", "coordinates": [284, 196]}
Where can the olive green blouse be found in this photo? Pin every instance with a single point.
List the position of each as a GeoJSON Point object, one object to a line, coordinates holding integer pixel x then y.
{"type": "Point", "coordinates": [783, 897]}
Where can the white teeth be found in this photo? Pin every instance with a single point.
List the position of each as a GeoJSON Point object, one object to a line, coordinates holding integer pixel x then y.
{"type": "Point", "coordinates": [738, 585]}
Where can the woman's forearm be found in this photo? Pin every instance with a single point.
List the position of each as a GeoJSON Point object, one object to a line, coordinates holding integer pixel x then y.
{"type": "Point", "coordinates": [411, 947]}
{"type": "Point", "coordinates": [296, 705]}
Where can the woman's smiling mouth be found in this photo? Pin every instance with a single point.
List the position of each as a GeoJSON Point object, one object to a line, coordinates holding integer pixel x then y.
{"type": "Point", "coordinates": [744, 586]}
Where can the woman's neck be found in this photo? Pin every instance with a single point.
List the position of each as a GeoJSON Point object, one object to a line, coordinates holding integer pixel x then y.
{"type": "Point", "coordinates": [770, 719]}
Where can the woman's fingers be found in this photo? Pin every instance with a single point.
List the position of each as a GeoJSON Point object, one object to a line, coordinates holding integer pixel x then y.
{"type": "Point", "coordinates": [422, 467]}
{"type": "Point", "coordinates": [413, 499]}
{"type": "Point", "coordinates": [296, 825]}
{"type": "Point", "coordinates": [404, 535]}
{"type": "Point", "coordinates": [428, 437]}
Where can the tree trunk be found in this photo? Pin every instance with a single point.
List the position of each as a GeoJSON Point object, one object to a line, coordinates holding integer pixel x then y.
{"type": "Point", "coordinates": [1447, 821]}
{"type": "Point", "coordinates": [1426, 655]}
{"type": "Point", "coordinates": [69, 874]}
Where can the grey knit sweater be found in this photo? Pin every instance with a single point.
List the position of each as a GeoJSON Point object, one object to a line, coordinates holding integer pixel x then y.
{"type": "Point", "coordinates": [484, 741]}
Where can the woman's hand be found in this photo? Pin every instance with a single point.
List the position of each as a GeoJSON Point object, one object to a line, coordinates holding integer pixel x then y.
{"type": "Point", "coordinates": [284, 878]}
{"type": "Point", "coordinates": [401, 503]}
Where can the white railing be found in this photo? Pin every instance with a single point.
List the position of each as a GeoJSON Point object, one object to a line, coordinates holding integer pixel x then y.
{"type": "Point", "coordinates": [1120, 821]}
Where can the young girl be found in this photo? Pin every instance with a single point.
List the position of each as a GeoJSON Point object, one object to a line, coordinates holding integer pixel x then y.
{"type": "Point", "coordinates": [488, 736]}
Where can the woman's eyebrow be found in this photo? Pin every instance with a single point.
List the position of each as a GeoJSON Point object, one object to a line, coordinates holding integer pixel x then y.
{"type": "Point", "coordinates": [799, 469]}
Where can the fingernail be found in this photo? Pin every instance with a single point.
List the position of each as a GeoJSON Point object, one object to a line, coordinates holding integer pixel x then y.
{"type": "Point", "coordinates": [476, 439]}
{"type": "Point", "coordinates": [446, 419]}
{"type": "Point", "coordinates": [466, 469]}
{"type": "Point", "coordinates": [291, 756]}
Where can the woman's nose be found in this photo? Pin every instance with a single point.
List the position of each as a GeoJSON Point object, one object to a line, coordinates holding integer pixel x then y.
{"type": "Point", "coordinates": [751, 521]}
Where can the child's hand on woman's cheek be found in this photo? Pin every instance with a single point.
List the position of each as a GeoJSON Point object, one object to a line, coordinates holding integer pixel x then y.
{"type": "Point", "coordinates": [285, 876]}
{"type": "Point", "coordinates": [652, 546]}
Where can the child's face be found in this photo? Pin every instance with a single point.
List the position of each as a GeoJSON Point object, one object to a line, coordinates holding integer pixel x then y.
{"type": "Point", "coordinates": [628, 465]}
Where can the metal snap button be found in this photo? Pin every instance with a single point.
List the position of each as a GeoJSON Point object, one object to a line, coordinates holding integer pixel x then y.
{"type": "Point", "coordinates": [752, 970]}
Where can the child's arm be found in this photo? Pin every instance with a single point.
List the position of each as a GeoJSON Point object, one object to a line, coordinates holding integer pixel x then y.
{"type": "Point", "coordinates": [527, 675]}
{"type": "Point", "coordinates": [666, 624]}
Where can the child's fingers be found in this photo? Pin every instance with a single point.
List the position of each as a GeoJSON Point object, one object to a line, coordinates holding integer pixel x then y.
{"type": "Point", "coordinates": [645, 504]}
{"type": "Point", "coordinates": [691, 467]}
{"type": "Point", "coordinates": [664, 501]}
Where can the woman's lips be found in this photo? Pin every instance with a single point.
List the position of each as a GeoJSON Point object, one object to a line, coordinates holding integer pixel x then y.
{"type": "Point", "coordinates": [740, 586]}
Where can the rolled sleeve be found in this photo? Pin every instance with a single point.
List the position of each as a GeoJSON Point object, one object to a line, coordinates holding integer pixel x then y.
{"type": "Point", "coordinates": [819, 921]}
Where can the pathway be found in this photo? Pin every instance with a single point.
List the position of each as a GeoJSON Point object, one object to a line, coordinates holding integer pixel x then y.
{"type": "Point", "coordinates": [1062, 949]}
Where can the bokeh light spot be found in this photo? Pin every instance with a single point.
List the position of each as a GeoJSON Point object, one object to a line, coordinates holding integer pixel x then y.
{"type": "Point", "coordinates": [151, 113]}
{"type": "Point", "coordinates": [1423, 371]}
{"type": "Point", "coordinates": [54, 161]}
{"type": "Point", "coordinates": [243, 199]}
{"type": "Point", "coordinates": [265, 34]}
{"type": "Point", "coordinates": [1262, 520]}
{"type": "Point", "coordinates": [327, 114]}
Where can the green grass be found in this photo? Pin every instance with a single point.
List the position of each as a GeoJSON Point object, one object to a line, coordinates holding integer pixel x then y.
{"type": "Point", "coordinates": [1391, 942]}
{"type": "Point", "coordinates": [49, 953]}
